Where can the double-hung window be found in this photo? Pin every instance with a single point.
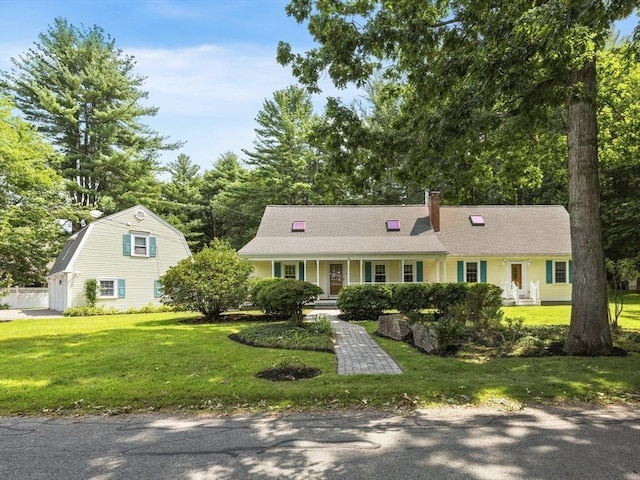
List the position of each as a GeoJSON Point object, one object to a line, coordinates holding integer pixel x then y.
{"type": "Point", "coordinates": [140, 245]}
{"type": "Point", "coordinates": [380, 273]}
{"type": "Point", "coordinates": [290, 271]}
{"type": "Point", "coordinates": [560, 275]}
{"type": "Point", "coordinates": [472, 272]}
{"type": "Point", "coordinates": [559, 271]}
{"type": "Point", "coordinates": [408, 273]}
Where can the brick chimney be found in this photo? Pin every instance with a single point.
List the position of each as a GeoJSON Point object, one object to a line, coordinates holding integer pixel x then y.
{"type": "Point", "coordinates": [434, 210]}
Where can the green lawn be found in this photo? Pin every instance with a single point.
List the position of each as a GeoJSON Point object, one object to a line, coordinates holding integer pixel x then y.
{"type": "Point", "coordinates": [122, 363]}
{"type": "Point", "coordinates": [561, 314]}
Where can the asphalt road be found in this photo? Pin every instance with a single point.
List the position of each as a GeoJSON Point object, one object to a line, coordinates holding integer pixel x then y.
{"type": "Point", "coordinates": [434, 444]}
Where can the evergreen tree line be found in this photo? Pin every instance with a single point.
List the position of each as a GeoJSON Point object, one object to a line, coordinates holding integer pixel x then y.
{"type": "Point", "coordinates": [79, 144]}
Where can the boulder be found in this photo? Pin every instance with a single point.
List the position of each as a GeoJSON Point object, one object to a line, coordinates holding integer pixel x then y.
{"type": "Point", "coordinates": [394, 326]}
{"type": "Point", "coordinates": [424, 337]}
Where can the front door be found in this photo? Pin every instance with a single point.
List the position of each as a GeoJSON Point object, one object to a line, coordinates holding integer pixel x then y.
{"type": "Point", "coordinates": [516, 277]}
{"type": "Point", "coordinates": [335, 278]}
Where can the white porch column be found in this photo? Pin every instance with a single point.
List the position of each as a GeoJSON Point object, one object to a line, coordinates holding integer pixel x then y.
{"type": "Point", "coordinates": [437, 270]}
{"type": "Point", "coordinates": [318, 273]}
{"type": "Point", "coordinates": [402, 272]}
{"type": "Point", "coordinates": [348, 271]}
{"type": "Point", "coordinates": [273, 268]}
{"type": "Point", "coordinates": [445, 269]}
{"type": "Point", "coordinates": [306, 271]}
{"type": "Point", "coordinates": [361, 277]}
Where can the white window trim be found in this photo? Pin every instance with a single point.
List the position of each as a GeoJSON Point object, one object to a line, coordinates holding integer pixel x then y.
{"type": "Point", "coordinates": [413, 272]}
{"type": "Point", "coordinates": [115, 288]}
{"type": "Point", "coordinates": [290, 264]}
{"type": "Point", "coordinates": [466, 278]}
{"type": "Point", "coordinates": [133, 245]}
{"type": "Point", "coordinates": [386, 272]}
{"type": "Point", "coordinates": [566, 272]}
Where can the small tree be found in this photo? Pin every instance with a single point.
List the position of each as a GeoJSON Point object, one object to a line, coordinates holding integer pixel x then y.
{"type": "Point", "coordinates": [288, 297]}
{"type": "Point", "coordinates": [209, 282]}
{"type": "Point", "coordinates": [91, 292]}
{"type": "Point", "coordinates": [621, 271]}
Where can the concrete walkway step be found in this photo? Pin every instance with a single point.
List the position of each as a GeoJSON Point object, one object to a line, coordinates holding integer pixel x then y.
{"type": "Point", "coordinates": [356, 351]}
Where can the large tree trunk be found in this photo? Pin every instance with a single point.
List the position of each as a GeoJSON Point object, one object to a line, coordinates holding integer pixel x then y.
{"type": "Point", "coordinates": [589, 332]}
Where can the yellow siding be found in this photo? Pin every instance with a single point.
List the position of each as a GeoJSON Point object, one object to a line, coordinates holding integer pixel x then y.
{"type": "Point", "coordinates": [101, 257]}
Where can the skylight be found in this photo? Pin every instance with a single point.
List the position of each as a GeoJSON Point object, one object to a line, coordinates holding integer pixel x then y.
{"type": "Point", "coordinates": [476, 220]}
{"type": "Point", "coordinates": [393, 225]}
{"type": "Point", "coordinates": [299, 226]}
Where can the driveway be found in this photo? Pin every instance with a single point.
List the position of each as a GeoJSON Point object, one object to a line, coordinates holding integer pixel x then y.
{"type": "Point", "coordinates": [435, 444]}
{"type": "Point", "coordinates": [27, 313]}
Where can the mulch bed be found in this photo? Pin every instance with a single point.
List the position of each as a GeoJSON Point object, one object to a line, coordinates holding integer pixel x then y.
{"type": "Point", "coordinates": [555, 349]}
{"type": "Point", "coordinates": [288, 373]}
{"type": "Point", "coordinates": [229, 318]}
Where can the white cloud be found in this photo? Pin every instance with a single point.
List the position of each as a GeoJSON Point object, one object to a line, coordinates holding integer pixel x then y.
{"type": "Point", "coordinates": [209, 95]}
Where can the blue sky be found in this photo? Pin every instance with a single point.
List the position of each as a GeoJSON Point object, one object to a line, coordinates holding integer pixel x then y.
{"type": "Point", "coordinates": [210, 63]}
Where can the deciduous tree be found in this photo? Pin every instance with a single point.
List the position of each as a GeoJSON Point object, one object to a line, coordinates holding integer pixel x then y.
{"type": "Point", "coordinates": [31, 200]}
{"type": "Point", "coordinates": [210, 282]}
{"type": "Point", "coordinates": [467, 66]}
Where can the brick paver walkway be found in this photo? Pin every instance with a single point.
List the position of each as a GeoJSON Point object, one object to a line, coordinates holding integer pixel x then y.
{"type": "Point", "coordinates": [356, 351]}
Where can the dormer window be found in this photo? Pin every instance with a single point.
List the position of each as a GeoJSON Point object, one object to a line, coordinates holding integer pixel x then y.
{"type": "Point", "coordinates": [393, 225]}
{"type": "Point", "coordinates": [299, 226]}
{"type": "Point", "coordinates": [476, 220]}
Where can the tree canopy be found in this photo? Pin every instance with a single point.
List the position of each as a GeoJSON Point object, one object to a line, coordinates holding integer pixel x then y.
{"type": "Point", "coordinates": [31, 200]}
{"type": "Point", "coordinates": [85, 97]}
{"type": "Point", "coordinates": [466, 67]}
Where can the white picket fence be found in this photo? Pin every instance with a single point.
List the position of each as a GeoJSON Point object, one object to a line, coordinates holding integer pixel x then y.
{"type": "Point", "coordinates": [27, 297]}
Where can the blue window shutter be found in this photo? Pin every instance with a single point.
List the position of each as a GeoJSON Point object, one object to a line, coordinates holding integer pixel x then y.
{"type": "Point", "coordinates": [121, 288]}
{"type": "Point", "coordinates": [483, 271]}
{"type": "Point", "coordinates": [157, 289]}
{"type": "Point", "coordinates": [570, 271]}
{"type": "Point", "coordinates": [419, 273]}
{"type": "Point", "coordinates": [300, 270]}
{"type": "Point", "coordinates": [460, 271]}
{"type": "Point", "coordinates": [549, 271]}
{"type": "Point", "coordinates": [367, 272]}
{"type": "Point", "coordinates": [277, 269]}
{"type": "Point", "coordinates": [152, 246]}
{"type": "Point", "coordinates": [126, 244]}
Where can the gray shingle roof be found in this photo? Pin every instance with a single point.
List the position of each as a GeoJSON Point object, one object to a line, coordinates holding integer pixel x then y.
{"type": "Point", "coordinates": [342, 230]}
{"type": "Point", "coordinates": [508, 230]}
{"type": "Point", "coordinates": [69, 249]}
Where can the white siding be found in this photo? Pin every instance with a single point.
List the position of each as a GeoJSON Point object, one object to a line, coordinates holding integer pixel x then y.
{"type": "Point", "coordinates": [101, 257]}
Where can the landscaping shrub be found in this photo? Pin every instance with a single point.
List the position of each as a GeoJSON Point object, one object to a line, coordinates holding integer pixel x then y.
{"type": "Point", "coordinates": [90, 311]}
{"type": "Point", "coordinates": [150, 309]}
{"type": "Point", "coordinates": [483, 302]}
{"type": "Point", "coordinates": [441, 296]}
{"type": "Point", "coordinates": [91, 292]}
{"type": "Point", "coordinates": [308, 336]}
{"type": "Point", "coordinates": [363, 302]}
{"type": "Point", "coordinates": [449, 334]}
{"type": "Point", "coordinates": [288, 297]}
{"type": "Point", "coordinates": [409, 297]}
{"type": "Point", "coordinates": [104, 310]}
{"type": "Point", "coordinates": [210, 282]}
{"type": "Point", "coordinates": [256, 285]}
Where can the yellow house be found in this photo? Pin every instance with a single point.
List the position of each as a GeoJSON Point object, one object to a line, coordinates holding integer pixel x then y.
{"type": "Point", "coordinates": [126, 253]}
{"type": "Point", "coordinates": [526, 250]}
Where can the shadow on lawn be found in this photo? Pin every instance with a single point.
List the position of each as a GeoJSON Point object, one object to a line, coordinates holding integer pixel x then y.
{"type": "Point", "coordinates": [165, 367]}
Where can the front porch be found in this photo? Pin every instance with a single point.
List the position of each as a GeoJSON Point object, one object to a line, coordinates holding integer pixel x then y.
{"type": "Point", "coordinates": [333, 274]}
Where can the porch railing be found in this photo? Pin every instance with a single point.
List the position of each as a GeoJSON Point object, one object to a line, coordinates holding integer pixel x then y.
{"type": "Point", "coordinates": [510, 291]}
{"type": "Point", "coordinates": [534, 292]}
